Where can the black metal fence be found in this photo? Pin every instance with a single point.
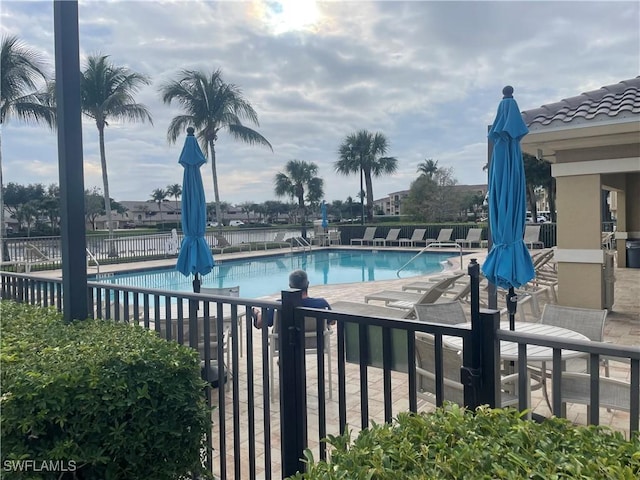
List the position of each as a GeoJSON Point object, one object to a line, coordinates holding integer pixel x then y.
{"type": "Point", "coordinates": [256, 437]}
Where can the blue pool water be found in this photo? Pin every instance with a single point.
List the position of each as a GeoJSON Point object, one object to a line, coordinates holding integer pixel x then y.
{"type": "Point", "coordinates": [258, 277]}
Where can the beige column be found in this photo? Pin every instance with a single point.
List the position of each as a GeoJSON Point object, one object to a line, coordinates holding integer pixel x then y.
{"type": "Point", "coordinates": [579, 255]}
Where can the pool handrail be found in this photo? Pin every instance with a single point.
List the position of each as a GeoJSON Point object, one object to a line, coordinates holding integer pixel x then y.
{"type": "Point", "coordinates": [432, 244]}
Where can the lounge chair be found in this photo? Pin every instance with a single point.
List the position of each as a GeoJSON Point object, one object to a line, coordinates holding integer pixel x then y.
{"type": "Point", "coordinates": [369, 233]}
{"type": "Point", "coordinates": [222, 243]}
{"type": "Point", "coordinates": [449, 313]}
{"type": "Point", "coordinates": [34, 256]}
{"type": "Point", "coordinates": [279, 240]}
{"type": "Point", "coordinates": [474, 235]}
{"type": "Point", "coordinates": [427, 283]}
{"type": "Point", "coordinates": [368, 309]}
{"type": "Point", "coordinates": [416, 237]}
{"type": "Point", "coordinates": [392, 236]}
{"type": "Point", "coordinates": [444, 236]}
{"type": "Point", "coordinates": [406, 300]}
{"type": "Point", "coordinates": [531, 236]}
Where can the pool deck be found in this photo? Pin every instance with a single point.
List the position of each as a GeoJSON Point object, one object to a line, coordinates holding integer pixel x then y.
{"type": "Point", "coordinates": [622, 327]}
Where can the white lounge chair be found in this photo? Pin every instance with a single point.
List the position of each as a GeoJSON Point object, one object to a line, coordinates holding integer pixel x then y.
{"type": "Point", "coordinates": [474, 235]}
{"type": "Point", "coordinates": [444, 236]}
{"type": "Point", "coordinates": [407, 300]}
{"type": "Point", "coordinates": [416, 237]}
{"type": "Point", "coordinates": [368, 236]}
{"type": "Point", "coordinates": [392, 236]}
{"type": "Point", "coordinates": [222, 243]}
{"type": "Point", "coordinates": [449, 313]}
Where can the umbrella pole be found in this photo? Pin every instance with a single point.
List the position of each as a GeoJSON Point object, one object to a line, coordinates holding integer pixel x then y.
{"type": "Point", "coordinates": [512, 304]}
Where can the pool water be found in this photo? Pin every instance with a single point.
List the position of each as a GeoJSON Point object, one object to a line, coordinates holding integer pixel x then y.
{"type": "Point", "coordinates": [258, 277]}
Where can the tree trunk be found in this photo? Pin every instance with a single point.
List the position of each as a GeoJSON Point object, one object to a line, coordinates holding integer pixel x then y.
{"type": "Point", "coordinates": [552, 200]}
{"type": "Point", "coordinates": [4, 257]}
{"type": "Point", "coordinates": [214, 172]}
{"type": "Point", "coordinates": [105, 184]}
{"type": "Point", "coordinates": [369, 190]}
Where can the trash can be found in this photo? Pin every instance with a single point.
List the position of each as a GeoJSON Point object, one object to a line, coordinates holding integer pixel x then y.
{"type": "Point", "coordinates": [633, 253]}
{"type": "Point", "coordinates": [609, 279]}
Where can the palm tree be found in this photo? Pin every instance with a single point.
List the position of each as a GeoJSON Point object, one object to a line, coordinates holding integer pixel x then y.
{"type": "Point", "coordinates": [300, 175]}
{"type": "Point", "coordinates": [429, 167]}
{"type": "Point", "coordinates": [107, 92]}
{"type": "Point", "coordinates": [210, 105]}
{"type": "Point", "coordinates": [159, 195]}
{"type": "Point", "coordinates": [174, 191]}
{"type": "Point", "coordinates": [363, 152]}
{"type": "Point", "coordinates": [22, 69]}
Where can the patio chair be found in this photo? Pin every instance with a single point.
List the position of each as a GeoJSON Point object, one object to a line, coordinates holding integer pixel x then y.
{"type": "Point", "coordinates": [449, 313]}
{"type": "Point", "coordinates": [453, 390]}
{"type": "Point", "coordinates": [614, 394]}
{"type": "Point", "coordinates": [369, 233]}
{"type": "Point", "coordinates": [311, 343]}
{"type": "Point", "coordinates": [227, 292]}
{"type": "Point", "coordinates": [416, 237]}
{"type": "Point", "coordinates": [589, 322]}
{"type": "Point", "coordinates": [531, 236]}
{"type": "Point", "coordinates": [444, 236]}
{"type": "Point", "coordinates": [407, 300]}
{"type": "Point", "coordinates": [392, 236]}
{"type": "Point", "coordinates": [335, 238]}
{"type": "Point", "coordinates": [474, 235]}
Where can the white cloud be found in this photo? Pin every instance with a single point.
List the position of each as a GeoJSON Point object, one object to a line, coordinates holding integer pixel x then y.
{"type": "Point", "coordinates": [428, 75]}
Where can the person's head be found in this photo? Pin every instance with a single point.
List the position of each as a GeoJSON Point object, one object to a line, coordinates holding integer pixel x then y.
{"type": "Point", "coordinates": [298, 279]}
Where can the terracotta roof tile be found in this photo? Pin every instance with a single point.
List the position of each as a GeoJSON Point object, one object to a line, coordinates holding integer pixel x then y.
{"type": "Point", "coordinates": [620, 100]}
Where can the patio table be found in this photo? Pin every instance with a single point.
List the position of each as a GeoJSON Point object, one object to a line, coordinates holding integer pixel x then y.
{"type": "Point", "coordinates": [536, 354]}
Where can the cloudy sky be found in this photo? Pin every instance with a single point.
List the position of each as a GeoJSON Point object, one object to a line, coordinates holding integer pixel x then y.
{"type": "Point", "coordinates": [427, 74]}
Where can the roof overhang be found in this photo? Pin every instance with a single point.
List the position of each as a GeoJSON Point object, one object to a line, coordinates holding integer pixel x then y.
{"type": "Point", "coordinates": [546, 141]}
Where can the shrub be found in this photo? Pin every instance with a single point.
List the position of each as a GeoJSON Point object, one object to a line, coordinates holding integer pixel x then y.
{"type": "Point", "coordinates": [454, 443]}
{"type": "Point", "coordinates": [114, 399]}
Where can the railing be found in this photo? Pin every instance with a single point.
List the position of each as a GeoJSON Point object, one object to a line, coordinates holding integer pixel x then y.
{"type": "Point", "coordinates": [248, 426]}
{"type": "Point", "coordinates": [428, 247]}
{"type": "Point", "coordinates": [125, 247]}
{"type": "Point", "coordinates": [95, 260]}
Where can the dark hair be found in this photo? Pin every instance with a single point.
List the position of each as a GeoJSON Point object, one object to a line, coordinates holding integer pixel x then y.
{"type": "Point", "coordinates": [298, 279]}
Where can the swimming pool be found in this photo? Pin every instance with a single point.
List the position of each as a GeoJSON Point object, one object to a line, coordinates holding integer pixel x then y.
{"type": "Point", "coordinates": [261, 276]}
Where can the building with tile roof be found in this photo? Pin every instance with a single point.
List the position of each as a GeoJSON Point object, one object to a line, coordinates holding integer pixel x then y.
{"type": "Point", "coordinates": [593, 143]}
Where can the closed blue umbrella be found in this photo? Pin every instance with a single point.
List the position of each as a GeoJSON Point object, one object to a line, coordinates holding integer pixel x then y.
{"type": "Point", "coordinates": [508, 264]}
{"type": "Point", "coordinates": [323, 209]}
{"type": "Point", "coordinates": [195, 255]}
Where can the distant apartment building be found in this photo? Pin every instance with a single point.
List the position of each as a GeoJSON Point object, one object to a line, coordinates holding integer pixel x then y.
{"type": "Point", "coordinates": [392, 203]}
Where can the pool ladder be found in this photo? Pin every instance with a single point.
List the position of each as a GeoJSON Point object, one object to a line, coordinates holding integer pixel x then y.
{"type": "Point", "coordinates": [300, 242]}
{"type": "Point", "coordinates": [429, 246]}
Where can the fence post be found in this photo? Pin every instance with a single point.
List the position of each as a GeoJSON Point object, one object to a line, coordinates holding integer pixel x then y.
{"type": "Point", "coordinates": [489, 389]}
{"type": "Point", "coordinates": [481, 371]}
{"type": "Point", "coordinates": [293, 406]}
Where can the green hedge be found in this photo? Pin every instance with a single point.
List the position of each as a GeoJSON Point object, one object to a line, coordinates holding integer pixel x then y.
{"type": "Point", "coordinates": [454, 443]}
{"type": "Point", "coordinates": [111, 401]}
